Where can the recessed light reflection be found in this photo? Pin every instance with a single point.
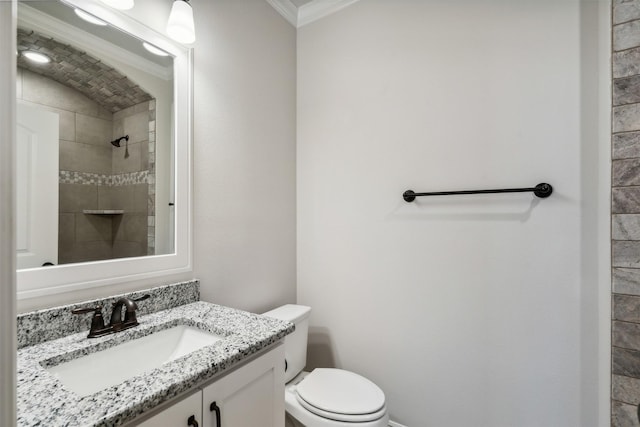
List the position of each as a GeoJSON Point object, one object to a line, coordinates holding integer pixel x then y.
{"type": "Point", "coordinates": [37, 57]}
{"type": "Point", "coordinates": [89, 18]}
{"type": "Point", "coordinates": [151, 48]}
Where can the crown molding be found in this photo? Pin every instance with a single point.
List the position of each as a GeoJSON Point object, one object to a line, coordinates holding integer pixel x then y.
{"type": "Point", "coordinates": [309, 12]}
{"type": "Point", "coordinates": [287, 9]}
{"type": "Point", "coordinates": [319, 9]}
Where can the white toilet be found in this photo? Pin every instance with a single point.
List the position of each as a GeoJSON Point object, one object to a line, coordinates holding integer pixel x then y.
{"type": "Point", "coordinates": [324, 397]}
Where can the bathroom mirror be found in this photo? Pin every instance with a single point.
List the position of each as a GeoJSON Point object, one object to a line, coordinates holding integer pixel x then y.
{"type": "Point", "coordinates": [103, 149]}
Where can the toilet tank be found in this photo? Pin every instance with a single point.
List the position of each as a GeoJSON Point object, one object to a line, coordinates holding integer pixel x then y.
{"type": "Point", "coordinates": [295, 344]}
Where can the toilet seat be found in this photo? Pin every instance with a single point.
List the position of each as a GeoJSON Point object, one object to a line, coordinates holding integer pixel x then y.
{"type": "Point", "coordinates": [341, 395]}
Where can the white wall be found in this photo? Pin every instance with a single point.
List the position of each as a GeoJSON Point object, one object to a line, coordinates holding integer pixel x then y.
{"type": "Point", "coordinates": [467, 311]}
{"type": "Point", "coordinates": [244, 156]}
{"type": "Point", "coordinates": [244, 151]}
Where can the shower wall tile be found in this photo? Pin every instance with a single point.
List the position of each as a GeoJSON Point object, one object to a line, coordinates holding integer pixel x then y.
{"type": "Point", "coordinates": [75, 197]}
{"type": "Point", "coordinates": [626, 281]}
{"type": "Point", "coordinates": [144, 156]}
{"type": "Point", "coordinates": [93, 130]}
{"type": "Point", "coordinates": [626, 308]}
{"type": "Point", "coordinates": [137, 126]}
{"type": "Point", "coordinates": [625, 213]}
{"type": "Point", "coordinates": [128, 249]}
{"type": "Point", "coordinates": [130, 198]}
{"type": "Point", "coordinates": [626, 335]}
{"type": "Point", "coordinates": [626, 362]}
{"type": "Point", "coordinates": [65, 252]}
{"type": "Point", "coordinates": [140, 198]}
{"type": "Point", "coordinates": [626, 254]}
{"type": "Point", "coordinates": [626, 90]}
{"type": "Point", "coordinates": [626, 63]}
{"type": "Point", "coordinates": [625, 389]}
{"type": "Point", "coordinates": [78, 157]}
{"type": "Point", "coordinates": [132, 228]}
{"type": "Point", "coordinates": [134, 109]}
{"type": "Point", "coordinates": [66, 228]}
{"type": "Point", "coordinates": [626, 227]}
{"type": "Point", "coordinates": [133, 163]}
{"type": "Point", "coordinates": [623, 415]}
{"type": "Point", "coordinates": [91, 228]}
{"type": "Point", "coordinates": [626, 145]}
{"type": "Point", "coordinates": [626, 118]}
{"type": "Point", "coordinates": [85, 251]}
{"type": "Point", "coordinates": [67, 125]}
{"type": "Point", "coordinates": [625, 10]}
{"type": "Point", "coordinates": [625, 200]}
{"type": "Point", "coordinates": [118, 128]}
{"type": "Point", "coordinates": [626, 35]}
{"type": "Point", "coordinates": [42, 90]}
{"type": "Point", "coordinates": [626, 172]}
{"type": "Point", "coordinates": [106, 198]}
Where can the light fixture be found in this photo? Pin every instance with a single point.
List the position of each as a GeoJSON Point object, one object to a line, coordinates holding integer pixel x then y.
{"type": "Point", "coordinates": [180, 26]}
{"type": "Point", "coordinates": [89, 17]}
{"type": "Point", "coordinates": [119, 4]}
{"type": "Point", "coordinates": [156, 51]}
{"type": "Point", "coordinates": [36, 57]}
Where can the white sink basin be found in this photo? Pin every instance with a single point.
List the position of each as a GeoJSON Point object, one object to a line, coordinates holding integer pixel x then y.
{"type": "Point", "coordinates": [97, 371]}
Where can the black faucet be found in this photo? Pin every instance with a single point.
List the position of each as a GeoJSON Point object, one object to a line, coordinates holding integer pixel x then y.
{"type": "Point", "coordinates": [129, 315]}
{"type": "Point", "coordinates": [98, 328]}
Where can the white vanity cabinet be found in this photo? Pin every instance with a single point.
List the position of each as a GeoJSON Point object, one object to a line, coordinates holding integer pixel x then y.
{"type": "Point", "coordinates": [177, 415]}
{"type": "Point", "coordinates": [251, 395]}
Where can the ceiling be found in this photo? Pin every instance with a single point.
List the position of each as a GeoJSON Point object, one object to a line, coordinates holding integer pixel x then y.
{"type": "Point", "coordinates": [302, 12]}
{"type": "Point", "coordinates": [299, 3]}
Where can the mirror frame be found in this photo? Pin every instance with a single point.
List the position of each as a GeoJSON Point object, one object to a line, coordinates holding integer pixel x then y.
{"type": "Point", "coordinates": [37, 282]}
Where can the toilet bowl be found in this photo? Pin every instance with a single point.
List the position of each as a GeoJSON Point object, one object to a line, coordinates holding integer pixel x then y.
{"type": "Point", "coordinates": [324, 397]}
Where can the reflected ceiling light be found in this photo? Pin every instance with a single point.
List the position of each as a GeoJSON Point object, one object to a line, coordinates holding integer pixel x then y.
{"type": "Point", "coordinates": [119, 4]}
{"type": "Point", "coordinates": [156, 51]}
{"type": "Point", "coordinates": [180, 26]}
{"type": "Point", "coordinates": [89, 17]}
{"type": "Point", "coordinates": [36, 57]}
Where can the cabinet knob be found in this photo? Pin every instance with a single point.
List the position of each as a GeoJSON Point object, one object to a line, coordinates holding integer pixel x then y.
{"type": "Point", "coordinates": [216, 408]}
{"type": "Point", "coordinates": [192, 421]}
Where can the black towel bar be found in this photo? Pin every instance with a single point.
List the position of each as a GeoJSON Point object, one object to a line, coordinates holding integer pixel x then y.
{"type": "Point", "coordinates": [542, 190]}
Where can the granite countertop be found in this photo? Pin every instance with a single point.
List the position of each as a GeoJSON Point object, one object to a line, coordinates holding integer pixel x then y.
{"type": "Point", "coordinates": [44, 401]}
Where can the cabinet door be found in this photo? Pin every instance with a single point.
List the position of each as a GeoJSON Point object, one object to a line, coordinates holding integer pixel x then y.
{"type": "Point", "coordinates": [251, 396]}
{"type": "Point", "coordinates": [185, 413]}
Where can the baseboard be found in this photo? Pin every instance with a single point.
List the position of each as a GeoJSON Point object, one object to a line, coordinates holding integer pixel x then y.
{"type": "Point", "coordinates": [394, 424]}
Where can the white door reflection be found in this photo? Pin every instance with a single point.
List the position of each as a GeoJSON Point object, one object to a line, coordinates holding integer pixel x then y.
{"type": "Point", "coordinates": [37, 187]}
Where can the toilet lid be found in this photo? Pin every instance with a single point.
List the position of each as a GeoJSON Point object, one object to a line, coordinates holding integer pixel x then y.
{"type": "Point", "coordinates": [336, 391]}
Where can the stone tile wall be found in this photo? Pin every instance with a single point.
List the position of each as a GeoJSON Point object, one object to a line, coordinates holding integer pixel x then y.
{"type": "Point", "coordinates": [625, 214]}
{"type": "Point", "coordinates": [131, 231]}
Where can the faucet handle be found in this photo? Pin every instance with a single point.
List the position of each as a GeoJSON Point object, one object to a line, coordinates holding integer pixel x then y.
{"type": "Point", "coordinates": [130, 315]}
{"type": "Point", "coordinates": [143, 297]}
{"type": "Point", "coordinates": [98, 327]}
